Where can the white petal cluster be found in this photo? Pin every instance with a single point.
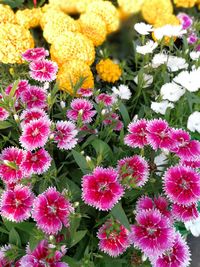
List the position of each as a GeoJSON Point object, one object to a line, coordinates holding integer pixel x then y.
{"type": "Point", "coordinates": [189, 80]}
{"type": "Point", "coordinates": [148, 48]}
{"type": "Point", "coordinates": [168, 30]}
{"type": "Point", "coordinates": [122, 92]}
{"type": "Point", "coordinates": [193, 123]}
{"type": "Point", "coordinates": [161, 107]}
{"type": "Point", "coordinates": [193, 226]}
{"type": "Point", "coordinates": [143, 28]}
{"type": "Point", "coordinates": [172, 92]}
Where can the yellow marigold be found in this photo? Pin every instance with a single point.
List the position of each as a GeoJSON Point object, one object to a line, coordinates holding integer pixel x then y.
{"type": "Point", "coordinates": [130, 6]}
{"type": "Point", "coordinates": [49, 12]}
{"type": "Point", "coordinates": [154, 9]}
{"type": "Point", "coordinates": [70, 74]}
{"type": "Point", "coordinates": [14, 40]}
{"type": "Point", "coordinates": [57, 25]}
{"type": "Point", "coordinates": [29, 18]}
{"type": "Point", "coordinates": [71, 46]}
{"type": "Point", "coordinates": [185, 3]}
{"type": "Point", "coordinates": [68, 6]}
{"type": "Point", "coordinates": [94, 27]}
{"type": "Point", "coordinates": [108, 12]}
{"type": "Point", "coordinates": [108, 70]}
{"type": "Point", "coordinates": [6, 14]}
{"type": "Point", "coordinates": [82, 5]}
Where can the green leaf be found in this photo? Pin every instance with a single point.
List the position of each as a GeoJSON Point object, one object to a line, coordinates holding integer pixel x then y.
{"type": "Point", "coordinates": [2, 230]}
{"type": "Point", "coordinates": [81, 161]}
{"type": "Point", "coordinates": [5, 125]}
{"type": "Point", "coordinates": [14, 237]}
{"type": "Point", "coordinates": [102, 149]}
{"type": "Point", "coordinates": [77, 237]}
{"type": "Point", "coordinates": [120, 215]}
{"type": "Point", "coordinates": [71, 261]}
{"type": "Point", "coordinates": [13, 3]}
{"type": "Point", "coordinates": [124, 112]}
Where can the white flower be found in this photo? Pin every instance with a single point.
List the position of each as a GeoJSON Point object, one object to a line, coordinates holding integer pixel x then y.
{"type": "Point", "coordinates": [161, 107]}
{"type": "Point", "coordinates": [176, 63]}
{"type": "Point", "coordinates": [193, 123]}
{"type": "Point", "coordinates": [158, 60]}
{"type": "Point", "coordinates": [122, 92]}
{"type": "Point", "coordinates": [148, 48]}
{"type": "Point", "coordinates": [146, 79]}
{"type": "Point", "coordinates": [172, 92]}
{"type": "Point", "coordinates": [168, 30]}
{"type": "Point", "coordinates": [161, 160]}
{"type": "Point", "coordinates": [193, 226]}
{"type": "Point", "coordinates": [143, 28]}
{"type": "Point", "coordinates": [46, 85]}
{"type": "Point", "coordinates": [195, 55]}
{"type": "Point", "coordinates": [189, 80]}
{"type": "Point", "coordinates": [173, 63]}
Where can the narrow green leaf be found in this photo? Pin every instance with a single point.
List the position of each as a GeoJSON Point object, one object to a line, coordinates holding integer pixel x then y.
{"type": "Point", "coordinates": [81, 161]}
{"type": "Point", "coordinates": [120, 215]}
{"type": "Point", "coordinates": [77, 237]}
{"type": "Point", "coordinates": [124, 112]}
{"type": "Point", "coordinates": [71, 261]}
{"type": "Point", "coordinates": [5, 125]}
{"type": "Point", "coordinates": [102, 149]}
{"type": "Point", "coordinates": [14, 237]}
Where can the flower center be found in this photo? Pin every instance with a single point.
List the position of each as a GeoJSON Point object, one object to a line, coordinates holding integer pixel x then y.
{"type": "Point", "coordinates": [35, 132]}
{"type": "Point", "coordinates": [34, 158]}
{"type": "Point", "coordinates": [103, 187]}
{"type": "Point", "coordinates": [52, 209]}
{"type": "Point", "coordinates": [184, 184]}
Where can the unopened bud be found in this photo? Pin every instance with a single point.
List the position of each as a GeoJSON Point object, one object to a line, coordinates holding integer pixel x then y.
{"type": "Point", "coordinates": [51, 238]}
{"type": "Point", "coordinates": [82, 152]}
{"type": "Point", "coordinates": [103, 112]}
{"type": "Point", "coordinates": [51, 246]}
{"type": "Point", "coordinates": [16, 117]}
{"type": "Point", "coordinates": [80, 112]}
{"type": "Point", "coordinates": [88, 159]}
{"type": "Point", "coordinates": [76, 204]}
{"type": "Point", "coordinates": [62, 104]}
{"type": "Point", "coordinates": [46, 85]}
{"type": "Point", "coordinates": [51, 137]}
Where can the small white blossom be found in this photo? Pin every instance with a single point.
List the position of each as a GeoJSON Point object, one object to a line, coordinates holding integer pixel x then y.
{"type": "Point", "coordinates": [148, 48]}
{"type": "Point", "coordinates": [193, 123]}
{"type": "Point", "coordinates": [62, 104]}
{"type": "Point", "coordinates": [193, 226]}
{"type": "Point", "coordinates": [173, 63]}
{"type": "Point", "coordinates": [146, 78]}
{"type": "Point", "coordinates": [195, 55]}
{"type": "Point", "coordinates": [169, 31]}
{"type": "Point", "coordinates": [161, 107]}
{"type": "Point", "coordinates": [46, 85]}
{"type": "Point", "coordinates": [122, 92]}
{"type": "Point", "coordinates": [189, 80]}
{"type": "Point", "coordinates": [172, 92]}
{"type": "Point", "coordinates": [143, 28]}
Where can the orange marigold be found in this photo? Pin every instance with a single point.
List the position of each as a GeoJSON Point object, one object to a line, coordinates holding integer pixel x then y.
{"type": "Point", "coordinates": [108, 71]}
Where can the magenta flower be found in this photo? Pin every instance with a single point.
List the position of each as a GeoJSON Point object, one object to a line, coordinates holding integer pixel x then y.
{"type": "Point", "coordinates": [192, 38]}
{"type": "Point", "coordinates": [36, 162]}
{"type": "Point", "coordinates": [3, 114]}
{"type": "Point", "coordinates": [42, 256]}
{"type": "Point", "coordinates": [177, 256]}
{"type": "Point", "coordinates": [32, 114]}
{"type": "Point", "coordinates": [51, 211]}
{"type": "Point", "coordinates": [113, 120]}
{"type": "Point", "coordinates": [106, 99]}
{"type": "Point", "coordinates": [114, 238]}
{"type": "Point", "coordinates": [81, 109]}
{"type": "Point", "coordinates": [22, 86]}
{"type": "Point", "coordinates": [153, 233]}
{"type": "Point", "coordinates": [35, 134]}
{"type": "Point", "coordinates": [65, 135]}
{"type": "Point", "coordinates": [4, 261]}
{"type": "Point", "coordinates": [185, 20]}
{"type": "Point", "coordinates": [10, 161]}
{"type": "Point", "coordinates": [133, 171]}
{"type": "Point", "coordinates": [158, 134]}
{"type": "Point", "coordinates": [185, 148]}
{"type": "Point", "coordinates": [35, 54]}
{"type": "Point", "coordinates": [185, 213]}
{"type": "Point", "coordinates": [34, 97]}
{"type": "Point", "coordinates": [160, 203]}
{"type": "Point", "coordinates": [101, 189]}
{"type": "Point", "coordinates": [43, 70]}
{"type": "Point", "coordinates": [16, 204]}
{"type": "Point", "coordinates": [85, 92]}
{"type": "Point", "coordinates": [182, 185]}
{"type": "Point", "coordinates": [195, 163]}
{"type": "Point", "coordinates": [137, 134]}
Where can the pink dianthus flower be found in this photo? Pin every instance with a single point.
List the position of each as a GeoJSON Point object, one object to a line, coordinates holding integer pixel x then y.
{"type": "Point", "coordinates": [34, 97]}
{"type": "Point", "coordinates": [35, 54]}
